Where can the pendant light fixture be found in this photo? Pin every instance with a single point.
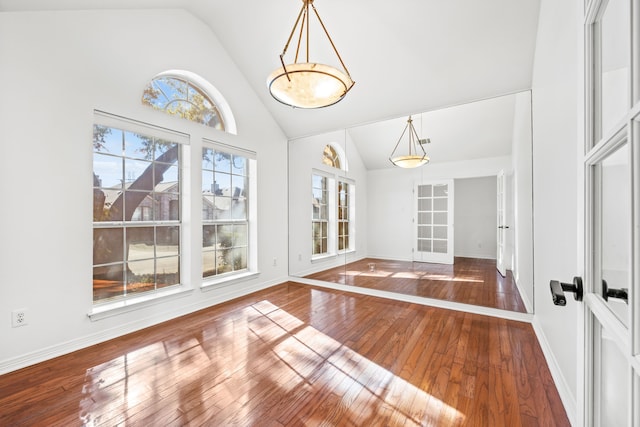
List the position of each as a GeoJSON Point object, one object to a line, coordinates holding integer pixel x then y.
{"type": "Point", "coordinates": [415, 156]}
{"type": "Point", "coordinates": [308, 84]}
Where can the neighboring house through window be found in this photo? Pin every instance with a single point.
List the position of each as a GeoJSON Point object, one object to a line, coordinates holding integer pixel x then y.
{"type": "Point", "coordinates": [138, 194]}
{"type": "Point", "coordinates": [136, 212]}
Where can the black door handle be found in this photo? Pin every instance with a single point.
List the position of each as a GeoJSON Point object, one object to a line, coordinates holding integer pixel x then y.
{"type": "Point", "coordinates": [607, 292]}
{"type": "Point", "coordinates": [503, 226]}
{"type": "Point", "coordinates": [558, 289]}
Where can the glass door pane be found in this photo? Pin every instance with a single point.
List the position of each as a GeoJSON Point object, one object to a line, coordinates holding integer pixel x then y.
{"type": "Point", "coordinates": [615, 231]}
{"type": "Point", "coordinates": [613, 72]}
{"type": "Point", "coordinates": [611, 380]}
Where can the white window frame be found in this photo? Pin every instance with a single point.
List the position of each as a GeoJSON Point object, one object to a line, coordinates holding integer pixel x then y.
{"type": "Point", "coordinates": [128, 303]}
{"type": "Point", "coordinates": [214, 281]}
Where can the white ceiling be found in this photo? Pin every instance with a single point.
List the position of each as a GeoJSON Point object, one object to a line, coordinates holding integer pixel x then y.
{"type": "Point", "coordinates": [406, 57]}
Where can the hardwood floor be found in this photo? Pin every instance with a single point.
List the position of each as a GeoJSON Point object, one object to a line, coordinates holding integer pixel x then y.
{"type": "Point", "coordinates": [296, 355]}
{"type": "Point", "coordinates": [469, 280]}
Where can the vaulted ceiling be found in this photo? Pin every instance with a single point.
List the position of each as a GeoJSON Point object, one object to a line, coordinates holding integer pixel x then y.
{"type": "Point", "coordinates": [406, 56]}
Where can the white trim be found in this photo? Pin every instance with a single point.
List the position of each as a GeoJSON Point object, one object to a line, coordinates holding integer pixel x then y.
{"type": "Point", "coordinates": [564, 390]}
{"type": "Point", "coordinates": [431, 302]}
{"type": "Point", "coordinates": [215, 282]}
{"type": "Point", "coordinates": [103, 311]}
{"type": "Point", "coordinates": [125, 123]}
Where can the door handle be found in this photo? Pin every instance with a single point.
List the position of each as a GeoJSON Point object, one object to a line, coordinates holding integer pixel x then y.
{"type": "Point", "coordinates": [503, 226]}
{"type": "Point", "coordinates": [622, 293]}
{"type": "Point", "coordinates": [558, 289]}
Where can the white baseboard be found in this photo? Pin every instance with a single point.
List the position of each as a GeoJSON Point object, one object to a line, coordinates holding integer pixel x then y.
{"type": "Point", "coordinates": [223, 294]}
{"type": "Point", "coordinates": [568, 399]}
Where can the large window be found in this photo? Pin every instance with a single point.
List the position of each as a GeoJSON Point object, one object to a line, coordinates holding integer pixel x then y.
{"type": "Point", "coordinates": [178, 97]}
{"type": "Point", "coordinates": [320, 216]}
{"type": "Point", "coordinates": [225, 212]}
{"type": "Point", "coordinates": [343, 215]}
{"type": "Point", "coordinates": [136, 212]}
{"type": "Point", "coordinates": [332, 217]}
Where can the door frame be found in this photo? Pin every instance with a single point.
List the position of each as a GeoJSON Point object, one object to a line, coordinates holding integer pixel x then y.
{"type": "Point", "coordinates": [439, 258]}
{"type": "Point", "coordinates": [595, 148]}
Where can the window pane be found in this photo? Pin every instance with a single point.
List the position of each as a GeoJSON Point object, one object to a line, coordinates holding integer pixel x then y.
{"type": "Point", "coordinates": [424, 205]}
{"type": "Point", "coordinates": [166, 206]}
{"type": "Point", "coordinates": [424, 218]}
{"type": "Point", "coordinates": [140, 243]}
{"type": "Point", "coordinates": [133, 169]}
{"type": "Point", "coordinates": [424, 245]}
{"type": "Point", "coordinates": [424, 191]}
{"type": "Point", "coordinates": [440, 218]}
{"type": "Point", "coordinates": [108, 282]}
{"type": "Point", "coordinates": [137, 146]}
{"type": "Point", "coordinates": [440, 246]}
{"type": "Point", "coordinates": [207, 182]}
{"type": "Point", "coordinates": [241, 235]}
{"type": "Point", "coordinates": [222, 162]}
{"type": "Point", "coordinates": [164, 151]}
{"type": "Point", "coordinates": [165, 177]}
{"type": "Point", "coordinates": [222, 185]}
{"type": "Point", "coordinates": [107, 140]}
{"type": "Point", "coordinates": [208, 210]}
{"type": "Point", "coordinates": [439, 204]}
{"type": "Point", "coordinates": [208, 237]}
{"type": "Point", "coordinates": [239, 165]}
{"type": "Point", "coordinates": [108, 245]}
{"type": "Point", "coordinates": [222, 208]}
{"type": "Point", "coordinates": [167, 271]}
{"type": "Point", "coordinates": [167, 241]}
{"type": "Point", "coordinates": [440, 232]}
{"type": "Point", "coordinates": [225, 236]}
{"type": "Point", "coordinates": [141, 276]}
{"type": "Point", "coordinates": [239, 258]}
{"type": "Point", "coordinates": [440, 190]}
{"type": "Point", "coordinates": [207, 159]}
{"type": "Point", "coordinates": [108, 171]}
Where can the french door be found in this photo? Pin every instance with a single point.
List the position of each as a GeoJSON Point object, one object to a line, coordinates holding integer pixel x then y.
{"type": "Point", "coordinates": [612, 207]}
{"type": "Point", "coordinates": [501, 198]}
{"type": "Point", "coordinates": [434, 222]}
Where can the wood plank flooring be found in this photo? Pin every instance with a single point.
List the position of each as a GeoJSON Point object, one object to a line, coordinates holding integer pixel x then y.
{"type": "Point", "coordinates": [296, 355]}
{"type": "Point", "coordinates": [469, 280]}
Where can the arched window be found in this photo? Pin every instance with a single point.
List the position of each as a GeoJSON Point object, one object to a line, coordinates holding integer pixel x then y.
{"type": "Point", "coordinates": [330, 157]}
{"type": "Point", "coordinates": [186, 95]}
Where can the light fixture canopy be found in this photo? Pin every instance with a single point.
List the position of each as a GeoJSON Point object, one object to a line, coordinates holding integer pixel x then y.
{"type": "Point", "coordinates": [416, 156]}
{"type": "Point", "coordinates": [308, 84]}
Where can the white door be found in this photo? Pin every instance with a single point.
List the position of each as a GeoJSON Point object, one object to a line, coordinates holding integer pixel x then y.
{"type": "Point", "coordinates": [612, 239]}
{"type": "Point", "coordinates": [434, 222]}
{"type": "Point", "coordinates": [501, 223]}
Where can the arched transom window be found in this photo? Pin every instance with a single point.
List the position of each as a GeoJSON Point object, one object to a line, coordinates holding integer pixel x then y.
{"type": "Point", "coordinates": [330, 157]}
{"type": "Point", "coordinates": [180, 97]}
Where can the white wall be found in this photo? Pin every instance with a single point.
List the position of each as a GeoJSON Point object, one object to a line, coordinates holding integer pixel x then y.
{"type": "Point", "coordinates": [390, 201]}
{"type": "Point", "coordinates": [556, 147]}
{"type": "Point", "coordinates": [305, 156]}
{"type": "Point", "coordinates": [475, 217]}
{"type": "Point", "coordinates": [56, 68]}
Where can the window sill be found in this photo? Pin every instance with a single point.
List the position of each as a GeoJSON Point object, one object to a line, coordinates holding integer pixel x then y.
{"type": "Point", "coordinates": [321, 258]}
{"type": "Point", "coordinates": [228, 280]}
{"type": "Point", "coordinates": [115, 308]}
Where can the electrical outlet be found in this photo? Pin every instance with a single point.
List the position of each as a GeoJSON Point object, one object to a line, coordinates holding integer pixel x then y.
{"type": "Point", "coordinates": [19, 317]}
{"type": "Point", "coordinates": [275, 261]}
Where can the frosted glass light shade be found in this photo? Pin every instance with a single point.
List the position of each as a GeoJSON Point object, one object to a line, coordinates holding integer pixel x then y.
{"type": "Point", "coordinates": [408, 162]}
{"type": "Point", "coordinates": [308, 85]}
